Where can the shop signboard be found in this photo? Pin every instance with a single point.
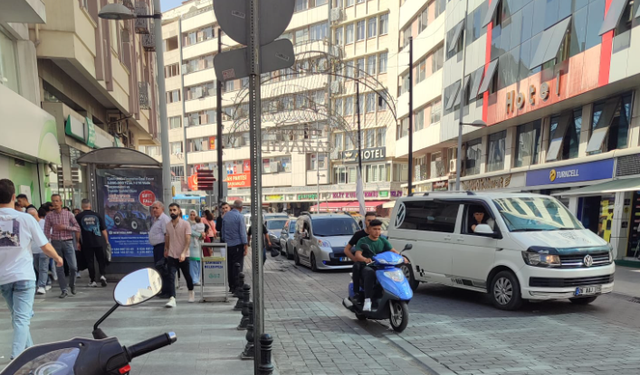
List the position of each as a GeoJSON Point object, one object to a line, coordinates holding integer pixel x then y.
{"type": "Point", "coordinates": [597, 170]}
{"type": "Point", "coordinates": [212, 143]}
{"type": "Point", "coordinates": [125, 199]}
{"type": "Point", "coordinates": [213, 273]}
{"type": "Point", "coordinates": [396, 193]}
{"type": "Point", "coordinates": [74, 128]}
{"type": "Point", "coordinates": [367, 194]}
{"type": "Point", "coordinates": [440, 185]}
{"type": "Point", "coordinates": [495, 183]}
{"type": "Point", "coordinates": [307, 197]}
{"type": "Point", "coordinates": [239, 180]}
{"type": "Point", "coordinates": [90, 137]}
{"type": "Point", "coordinates": [368, 154]}
{"type": "Point", "coordinates": [274, 198]}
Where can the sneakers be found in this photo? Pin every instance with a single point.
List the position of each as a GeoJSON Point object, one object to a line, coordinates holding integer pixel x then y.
{"type": "Point", "coordinates": [367, 305]}
{"type": "Point", "coordinates": [192, 296]}
{"type": "Point", "coordinates": [171, 303]}
{"type": "Point", "coordinates": [48, 287]}
{"type": "Point", "coordinates": [92, 284]}
{"type": "Point", "coordinates": [103, 281]}
{"type": "Point", "coordinates": [41, 290]}
{"type": "Point", "coordinates": [78, 275]}
{"type": "Point", "coordinates": [73, 290]}
{"type": "Point", "coordinates": [64, 294]}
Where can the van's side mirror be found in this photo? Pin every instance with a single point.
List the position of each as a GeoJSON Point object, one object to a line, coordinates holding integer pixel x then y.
{"type": "Point", "coordinates": [486, 231]}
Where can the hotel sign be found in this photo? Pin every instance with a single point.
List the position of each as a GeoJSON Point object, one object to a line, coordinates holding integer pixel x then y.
{"type": "Point", "coordinates": [516, 101]}
{"type": "Point", "coordinates": [369, 154]}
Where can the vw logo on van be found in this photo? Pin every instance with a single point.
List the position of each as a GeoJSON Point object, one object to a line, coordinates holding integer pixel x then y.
{"type": "Point", "coordinates": [402, 212]}
{"type": "Point", "coordinates": [588, 260]}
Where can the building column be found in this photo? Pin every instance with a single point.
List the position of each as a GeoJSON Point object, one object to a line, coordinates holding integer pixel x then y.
{"type": "Point", "coordinates": [573, 205]}
{"type": "Point", "coordinates": [484, 147]}
{"type": "Point", "coordinates": [620, 219]}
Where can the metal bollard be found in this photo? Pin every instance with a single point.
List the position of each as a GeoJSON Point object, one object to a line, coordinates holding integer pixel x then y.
{"type": "Point", "coordinates": [249, 349]}
{"type": "Point", "coordinates": [238, 292]}
{"type": "Point", "coordinates": [238, 270]}
{"type": "Point", "coordinates": [265, 367]}
{"type": "Point", "coordinates": [244, 322]}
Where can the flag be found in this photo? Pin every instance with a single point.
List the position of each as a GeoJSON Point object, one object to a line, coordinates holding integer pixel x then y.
{"type": "Point", "coordinates": [360, 194]}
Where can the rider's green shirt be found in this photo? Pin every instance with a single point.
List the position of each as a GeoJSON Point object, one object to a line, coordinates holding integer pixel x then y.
{"type": "Point", "coordinates": [378, 246]}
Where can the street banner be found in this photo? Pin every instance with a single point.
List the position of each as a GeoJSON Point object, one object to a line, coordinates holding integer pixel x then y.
{"type": "Point", "coordinates": [125, 197]}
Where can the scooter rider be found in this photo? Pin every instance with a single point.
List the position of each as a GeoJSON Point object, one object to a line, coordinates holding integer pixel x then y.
{"type": "Point", "coordinates": [357, 266]}
{"type": "Point", "coordinates": [376, 245]}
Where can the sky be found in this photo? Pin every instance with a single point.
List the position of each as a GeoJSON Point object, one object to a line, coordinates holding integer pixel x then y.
{"type": "Point", "coordinates": [166, 5]}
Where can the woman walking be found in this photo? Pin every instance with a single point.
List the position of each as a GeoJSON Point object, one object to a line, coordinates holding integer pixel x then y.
{"type": "Point", "coordinates": [195, 247]}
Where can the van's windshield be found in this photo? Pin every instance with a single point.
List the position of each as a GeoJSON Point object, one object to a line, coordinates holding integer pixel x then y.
{"type": "Point", "coordinates": [523, 214]}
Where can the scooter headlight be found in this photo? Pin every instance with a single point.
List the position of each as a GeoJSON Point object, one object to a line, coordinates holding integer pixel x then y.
{"type": "Point", "coordinates": [395, 275]}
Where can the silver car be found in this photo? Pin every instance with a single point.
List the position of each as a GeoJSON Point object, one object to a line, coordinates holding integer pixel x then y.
{"type": "Point", "coordinates": [287, 238]}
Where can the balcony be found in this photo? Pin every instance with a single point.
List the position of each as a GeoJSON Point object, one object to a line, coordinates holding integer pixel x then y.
{"type": "Point", "coordinates": [201, 48]}
{"type": "Point", "coordinates": [23, 11]}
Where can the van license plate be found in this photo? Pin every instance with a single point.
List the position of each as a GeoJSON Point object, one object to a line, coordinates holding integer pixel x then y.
{"type": "Point", "coordinates": [587, 290]}
{"type": "Point", "coordinates": [344, 259]}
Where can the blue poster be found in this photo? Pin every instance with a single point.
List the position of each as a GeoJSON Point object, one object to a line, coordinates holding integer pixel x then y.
{"type": "Point", "coordinates": [125, 198]}
{"type": "Point", "coordinates": [597, 170]}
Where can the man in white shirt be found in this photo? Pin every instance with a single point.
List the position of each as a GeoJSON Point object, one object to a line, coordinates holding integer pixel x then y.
{"type": "Point", "coordinates": [157, 234]}
{"type": "Point", "coordinates": [17, 280]}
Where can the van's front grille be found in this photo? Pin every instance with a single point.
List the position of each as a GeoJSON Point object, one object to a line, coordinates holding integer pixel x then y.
{"type": "Point", "coordinates": [577, 260]}
{"type": "Point", "coordinates": [552, 282]}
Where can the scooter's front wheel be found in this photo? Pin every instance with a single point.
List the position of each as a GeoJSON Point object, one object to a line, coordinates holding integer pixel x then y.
{"type": "Point", "coordinates": [399, 317]}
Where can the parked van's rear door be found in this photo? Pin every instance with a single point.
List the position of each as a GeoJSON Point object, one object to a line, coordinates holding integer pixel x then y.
{"type": "Point", "coordinates": [429, 226]}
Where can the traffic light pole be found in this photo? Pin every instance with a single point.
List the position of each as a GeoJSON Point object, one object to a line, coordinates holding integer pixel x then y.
{"type": "Point", "coordinates": [255, 131]}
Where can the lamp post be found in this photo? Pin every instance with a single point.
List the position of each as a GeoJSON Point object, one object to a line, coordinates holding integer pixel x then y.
{"type": "Point", "coordinates": [478, 123]}
{"type": "Point", "coordinates": [119, 12]}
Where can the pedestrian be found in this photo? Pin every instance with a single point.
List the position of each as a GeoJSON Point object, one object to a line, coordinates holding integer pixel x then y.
{"type": "Point", "coordinates": [178, 239]}
{"type": "Point", "coordinates": [224, 208]}
{"type": "Point", "coordinates": [157, 237]}
{"type": "Point", "coordinates": [195, 247]}
{"type": "Point", "coordinates": [17, 280]}
{"type": "Point", "coordinates": [44, 209]}
{"type": "Point", "coordinates": [234, 233]}
{"type": "Point", "coordinates": [266, 241]}
{"type": "Point", "coordinates": [23, 201]}
{"type": "Point", "coordinates": [76, 211]}
{"type": "Point", "coordinates": [209, 220]}
{"type": "Point", "coordinates": [40, 260]}
{"type": "Point", "coordinates": [61, 228]}
{"type": "Point", "coordinates": [93, 233]}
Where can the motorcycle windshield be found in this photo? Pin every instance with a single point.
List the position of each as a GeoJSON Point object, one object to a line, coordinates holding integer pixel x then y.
{"type": "Point", "coordinates": [388, 258]}
{"type": "Point", "coordinates": [57, 362]}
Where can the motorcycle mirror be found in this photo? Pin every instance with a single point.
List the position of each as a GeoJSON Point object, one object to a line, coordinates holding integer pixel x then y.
{"type": "Point", "coordinates": [365, 247]}
{"type": "Point", "coordinates": [407, 247]}
{"type": "Point", "coordinates": [137, 287]}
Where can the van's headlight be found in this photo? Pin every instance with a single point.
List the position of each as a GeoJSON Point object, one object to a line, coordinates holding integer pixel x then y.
{"type": "Point", "coordinates": [395, 275]}
{"type": "Point", "coordinates": [541, 257]}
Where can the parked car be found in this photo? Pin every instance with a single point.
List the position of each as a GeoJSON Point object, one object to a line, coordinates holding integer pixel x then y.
{"type": "Point", "coordinates": [513, 246]}
{"type": "Point", "coordinates": [287, 239]}
{"type": "Point", "coordinates": [320, 240]}
{"type": "Point", "coordinates": [274, 227]}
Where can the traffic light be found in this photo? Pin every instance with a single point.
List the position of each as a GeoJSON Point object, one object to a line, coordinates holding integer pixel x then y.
{"type": "Point", "coordinates": [205, 179]}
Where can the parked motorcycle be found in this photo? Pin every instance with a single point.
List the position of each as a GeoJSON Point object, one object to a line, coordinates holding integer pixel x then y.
{"type": "Point", "coordinates": [101, 355]}
{"type": "Point", "coordinates": [391, 294]}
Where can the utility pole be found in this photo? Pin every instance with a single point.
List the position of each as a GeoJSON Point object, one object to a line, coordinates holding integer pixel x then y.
{"type": "Point", "coordinates": [318, 165]}
{"type": "Point", "coordinates": [359, 127]}
{"type": "Point", "coordinates": [410, 185]}
{"type": "Point", "coordinates": [219, 123]}
{"type": "Point", "coordinates": [464, 60]}
{"type": "Point", "coordinates": [185, 152]}
{"type": "Point", "coordinates": [167, 197]}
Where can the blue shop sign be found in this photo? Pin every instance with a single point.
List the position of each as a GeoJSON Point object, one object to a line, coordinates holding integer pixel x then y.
{"type": "Point", "coordinates": [597, 170]}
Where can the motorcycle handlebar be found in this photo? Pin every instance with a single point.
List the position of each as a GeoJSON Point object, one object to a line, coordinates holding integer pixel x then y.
{"type": "Point", "coordinates": [150, 345]}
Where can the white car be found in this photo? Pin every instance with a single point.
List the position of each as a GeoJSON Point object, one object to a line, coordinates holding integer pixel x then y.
{"type": "Point", "coordinates": [320, 240]}
{"type": "Point", "coordinates": [525, 247]}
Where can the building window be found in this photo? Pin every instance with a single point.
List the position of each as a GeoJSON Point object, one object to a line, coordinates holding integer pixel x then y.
{"type": "Point", "coordinates": [300, 6]}
{"type": "Point", "coordinates": [382, 63]}
{"type": "Point", "coordinates": [173, 96]}
{"type": "Point", "coordinates": [340, 172]}
{"type": "Point", "coordinates": [350, 3]}
{"type": "Point", "coordinates": [171, 70]}
{"type": "Point", "coordinates": [338, 107]}
{"type": "Point", "coordinates": [319, 31]}
{"type": "Point", "coordinates": [564, 135]}
{"type": "Point", "coordinates": [610, 124]}
{"type": "Point", "coordinates": [174, 122]}
{"type": "Point", "coordinates": [338, 141]}
{"type": "Point", "coordinates": [349, 32]}
{"type": "Point", "coordinates": [8, 63]}
{"type": "Point", "coordinates": [418, 120]}
{"type": "Point", "coordinates": [371, 27]}
{"type": "Point", "coordinates": [371, 65]}
{"type": "Point", "coordinates": [437, 165]}
{"type": "Point", "coordinates": [473, 157]}
{"type": "Point", "coordinates": [384, 24]}
{"type": "Point", "coordinates": [176, 148]}
{"type": "Point", "coordinates": [360, 28]}
{"type": "Point", "coordinates": [495, 158]}
{"type": "Point", "coordinates": [339, 36]}
{"type": "Point", "coordinates": [371, 102]}
{"type": "Point", "coordinates": [431, 216]}
{"type": "Point", "coordinates": [302, 35]}
{"type": "Point", "coordinates": [403, 128]}
{"type": "Point", "coordinates": [348, 106]}
{"type": "Point", "coordinates": [322, 162]}
{"type": "Point", "coordinates": [528, 144]}
{"type": "Point", "coordinates": [360, 67]}
{"type": "Point", "coordinates": [436, 111]}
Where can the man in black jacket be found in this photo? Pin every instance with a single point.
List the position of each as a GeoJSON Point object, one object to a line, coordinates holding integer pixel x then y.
{"type": "Point", "coordinates": [224, 208]}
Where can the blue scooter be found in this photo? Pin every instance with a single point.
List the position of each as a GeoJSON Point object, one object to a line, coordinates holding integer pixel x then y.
{"type": "Point", "coordinates": [392, 292]}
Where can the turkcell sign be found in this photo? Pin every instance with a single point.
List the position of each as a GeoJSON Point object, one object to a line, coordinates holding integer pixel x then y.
{"type": "Point", "coordinates": [597, 170]}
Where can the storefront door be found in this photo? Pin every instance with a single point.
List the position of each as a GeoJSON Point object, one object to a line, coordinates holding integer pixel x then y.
{"type": "Point", "coordinates": [634, 224]}
{"type": "Point", "coordinates": [597, 214]}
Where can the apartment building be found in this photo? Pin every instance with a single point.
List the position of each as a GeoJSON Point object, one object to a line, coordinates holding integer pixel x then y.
{"type": "Point", "coordinates": [309, 123]}
{"type": "Point", "coordinates": [557, 86]}
{"type": "Point", "coordinates": [97, 80]}
{"type": "Point", "coordinates": [29, 143]}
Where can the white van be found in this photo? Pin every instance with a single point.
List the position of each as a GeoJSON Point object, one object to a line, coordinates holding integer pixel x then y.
{"type": "Point", "coordinates": [513, 246]}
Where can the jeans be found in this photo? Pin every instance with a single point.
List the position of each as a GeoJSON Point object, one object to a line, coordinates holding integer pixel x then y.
{"type": "Point", "coordinates": [41, 264]}
{"type": "Point", "coordinates": [67, 250]}
{"type": "Point", "coordinates": [99, 254]}
{"type": "Point", "coordinates": [19, 296]}
{"type": "Point", "coordinates": [174, 266]}
{"type": "Point", "coordinates": [369, 281]}
{"type": "Point", "coordinates": [235, 255]}
{"type": "Point", "coordinates": [194, 270]}
{"type": "Point", "coordinates": [357, 275]}
{"type": "Point", "coordinates": [158, 255]}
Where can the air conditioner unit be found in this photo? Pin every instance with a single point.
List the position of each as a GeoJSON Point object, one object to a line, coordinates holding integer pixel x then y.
{"type": "Point", "coordinates": [336, 87]}
{"type": "Point", "coordinates": [149, 42]}
{"type": "Point", "coordinates": [186, 69]}
{"type": "Point", "coordinates": [452, 165]}
{"type": "Point", "coordinates": [142, 24]}
{"type": "Point", "coordinates": [336, 15]}
{"type": "Point", "coordinates": [274, 167]}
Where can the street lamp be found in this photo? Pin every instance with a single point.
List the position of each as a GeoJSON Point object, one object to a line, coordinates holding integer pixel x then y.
{"type": "Point", "coordinates": [478, 123]}
{"type": "Point", "coordinates": [120, 12]}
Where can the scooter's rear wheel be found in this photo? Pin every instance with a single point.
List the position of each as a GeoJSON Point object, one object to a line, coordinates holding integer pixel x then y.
{"type": "Point", "coordinates": [361, 316]}
{"type": "Point", "coordinates": [399, 317]}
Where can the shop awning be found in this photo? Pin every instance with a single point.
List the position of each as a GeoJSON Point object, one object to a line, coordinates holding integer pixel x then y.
{"type": "Point", "coordinates": [328, 206]}
{"type": "Point", "coordinates": [389, 204]}
{"type": "Point", "coordinates": [631, 184]}
{"type": "Point", "coordinates": [369, 205]}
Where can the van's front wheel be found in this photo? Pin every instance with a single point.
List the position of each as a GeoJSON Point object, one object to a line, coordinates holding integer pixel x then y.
{"type": "Point", "coordinates": [505, 291]}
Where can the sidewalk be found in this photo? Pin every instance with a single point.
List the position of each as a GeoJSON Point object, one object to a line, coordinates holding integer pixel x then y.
{"type": "Point", "coordinates": [208, 342]}
{"type": "Point", "coordinates": [627, 281]}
